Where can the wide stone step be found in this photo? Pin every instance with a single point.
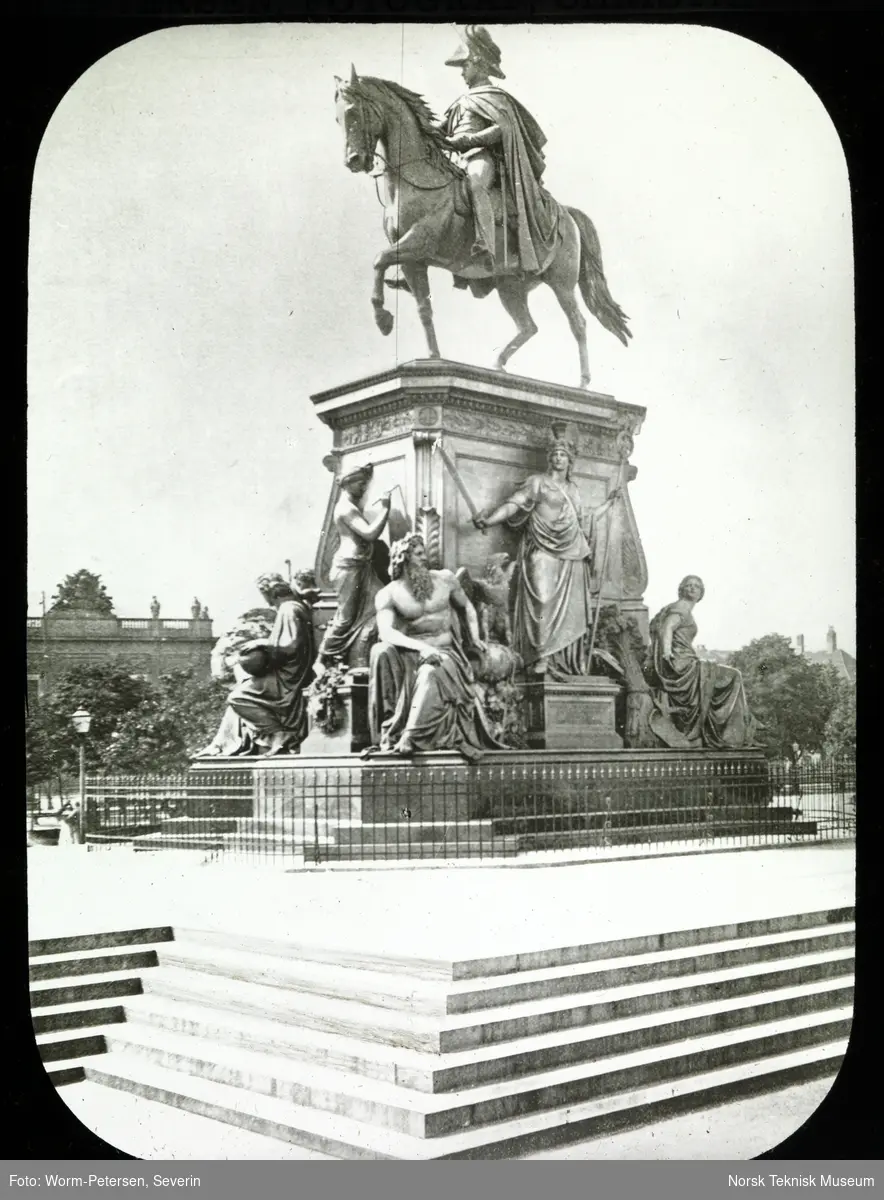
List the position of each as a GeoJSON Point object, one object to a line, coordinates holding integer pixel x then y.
{"type": "Point", "coordinates": [343, 1138]}
{"type": "Point", "coordinates": [652, 834]}
{"type": "Point", "coordinates": [470, 995]}
{"type": "Point", "coordinates": [456, 847]}
{"type": "Point", "coordinates": [54, 991]}
{"type": "Point", "coordinates": [91, 962]}
{"type": "Point", "coordinates": [519, 964]}
{"type": "Point", "coordinates": [67, 1044]}
{"type": "Point", "coordinates": [628, 819]}
{"type": "Point", "coordinates": [430, 1115]}
{"type": "Point", "coordinates": [303, 952]}
{"type": "Point", "coordinates": [458, 1070]}
{"type": "Point", "coordinates": [77, 1015]}
{"type": "Point", "coordinates": [459, 1031]}
{"type": "Point", "coordinates": [392, 832]}
{"type": "Point", "coordinates": [149, 1129]}
{"type": "Point", "coordinates": [99, 941]}
{"type": "Point", "coordinates": [341, 982]}
{"type": "Point", "coordinates": [66, 1072]}
{"type": "Point", "coordinates": [395, 990]}
{"type": "Point", "coordinates": [505, 964]}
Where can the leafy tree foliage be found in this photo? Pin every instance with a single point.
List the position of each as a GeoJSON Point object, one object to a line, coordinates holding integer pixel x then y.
{"type": "Point", "coordinates": [82, 591]}
{"type": "Point", "coordinates": [179, 718]}
{"type": "Point", "coordinates": [840, 735]}
{"type": "Point", "coordinates": [137, 726]}
{"type": "Point", "coordinates": [791, 698]}
{"type": "Point", "coordinates": [107, 690]}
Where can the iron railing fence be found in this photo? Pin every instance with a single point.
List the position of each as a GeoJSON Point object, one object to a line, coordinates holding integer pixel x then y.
{"type": "Point", "coordinates": [529, 804]}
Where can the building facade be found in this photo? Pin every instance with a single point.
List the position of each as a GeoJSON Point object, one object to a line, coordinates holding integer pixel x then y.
{"type": "Point", "coordinates": [153, 646]}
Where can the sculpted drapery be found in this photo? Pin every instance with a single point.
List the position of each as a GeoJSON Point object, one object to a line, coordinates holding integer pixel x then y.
{"type": "Point", "coordinates": [552, 613]}
{"type": "Point", "coordinates": [273, 705]}
{"type": "Point", "coordinates": [696, 704]}
{"type": "Point", "coordinates": [437, 703]}
{"type": "Point", "coordinates": [520, 163]}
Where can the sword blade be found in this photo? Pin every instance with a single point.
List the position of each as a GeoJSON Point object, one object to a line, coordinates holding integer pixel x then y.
{"type": "Point", "coordinates": [456, 476]}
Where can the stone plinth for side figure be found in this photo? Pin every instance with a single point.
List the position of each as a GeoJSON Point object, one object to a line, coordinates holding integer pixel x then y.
{"type": "Point", "coordinates": [351, 710]}
{"type": "Point", "coordinates": [571, 715]}
{"type": "Point", "coordinates": [494, 428]}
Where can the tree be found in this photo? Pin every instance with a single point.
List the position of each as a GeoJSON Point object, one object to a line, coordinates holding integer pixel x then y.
{"type": "Point", "coordinates": [790, 697]}
{"type": "Point", "coordinates": [138, 727]}
{"type": "Point", "coordinates": [161, 736]}
{"type": "Point", "coordinates": [840, 735]}
{"type": "Point", "coordinates": [82, 591]}
{"type": "Point", "coordinates": [107, 690]}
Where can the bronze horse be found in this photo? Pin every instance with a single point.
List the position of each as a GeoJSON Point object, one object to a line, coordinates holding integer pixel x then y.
{"type": "Point", "coordinates": [428, 222]}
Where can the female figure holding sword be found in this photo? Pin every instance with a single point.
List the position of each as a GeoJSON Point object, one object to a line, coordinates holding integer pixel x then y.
{"type": "Point", "coordinates": [552, 615]}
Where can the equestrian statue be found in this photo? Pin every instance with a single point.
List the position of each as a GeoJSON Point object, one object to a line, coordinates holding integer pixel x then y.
{"type": "Point", "coordinates": [465, 193]}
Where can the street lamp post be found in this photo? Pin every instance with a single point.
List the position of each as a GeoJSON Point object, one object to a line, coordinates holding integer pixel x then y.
{"type": "Point", "coordinates": [82, 720]}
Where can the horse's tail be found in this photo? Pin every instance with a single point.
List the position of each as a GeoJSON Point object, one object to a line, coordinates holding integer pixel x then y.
{"type": "Point", "coordinates": [593, 285]}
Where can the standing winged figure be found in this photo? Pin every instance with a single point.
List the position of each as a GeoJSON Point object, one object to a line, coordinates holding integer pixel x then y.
{"type": "Point", "coordinates": [464, 193]}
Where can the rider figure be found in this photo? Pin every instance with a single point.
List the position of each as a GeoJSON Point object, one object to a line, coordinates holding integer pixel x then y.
{"type": "Point", "coordinates": [499, 141]}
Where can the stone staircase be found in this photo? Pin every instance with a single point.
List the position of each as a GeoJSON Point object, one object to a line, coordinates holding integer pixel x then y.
{"type": "Point", "coordinates": [77, 987]}
{"type": "Point", "coordinates": [353, 1055]}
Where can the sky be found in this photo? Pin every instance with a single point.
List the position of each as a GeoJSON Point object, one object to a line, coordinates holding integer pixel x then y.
{"type": "Point", "coordinates": [200, 264]}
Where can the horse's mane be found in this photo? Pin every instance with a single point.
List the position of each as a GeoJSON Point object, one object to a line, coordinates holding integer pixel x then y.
{"type": "Point", "coordinates": [423, 115]}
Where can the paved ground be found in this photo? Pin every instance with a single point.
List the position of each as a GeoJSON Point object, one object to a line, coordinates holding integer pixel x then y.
{"type": "Point", "coordinates": [463, 911]}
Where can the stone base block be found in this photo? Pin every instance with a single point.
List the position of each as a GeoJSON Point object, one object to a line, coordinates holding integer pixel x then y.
{"type": "Point", "coordinates": [351, 710]}
{"type": "Point", "coordinates": [578, 715]}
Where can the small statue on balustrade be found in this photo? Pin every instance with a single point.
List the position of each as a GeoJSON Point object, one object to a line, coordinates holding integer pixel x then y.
{"type": "Point", "coordinates": [154, 608]}
{"type": "Point", "coordinates": [552, 610]}
{"type": "Point", "coordinates": [267, 710]}
{"type": "Point", "coordinates": [358, 572]}
{"type": "Point", "coordinates": [195, 609]}
{"type": "Point", "coordinates": [422, 689]}
{"type": "Point", "coordinates": [696, 704]}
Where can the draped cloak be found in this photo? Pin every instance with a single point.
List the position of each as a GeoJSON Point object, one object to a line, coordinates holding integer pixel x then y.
{"type": "Point", "coordinates": [356, 583]}
{"type": "Point", "coordinates": [274, 702]}
{"type": "Point", "coordinates": [435, 704]}
{"type": "Point", "coordinates": [696, 703]}
{"type": "Point", "coordinates": [535, 212]}
{"type": "Point", "coordinates": [551, 614]}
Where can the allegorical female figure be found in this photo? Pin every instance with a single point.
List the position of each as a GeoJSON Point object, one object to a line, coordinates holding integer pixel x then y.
{"type": "Point", "coordinates": [354, 575]}
{"type": "Point", "coordinates": [267, 710]}
{"type": "Point", "coordinates": [552, 611]}
{"type": "Point", "coordinates": [696, 704]}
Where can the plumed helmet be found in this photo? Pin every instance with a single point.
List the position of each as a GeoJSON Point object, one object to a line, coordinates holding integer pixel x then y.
{"type": "Point", "coordinates": [477, 44]}
{"type": "Point", "coordinates": [562, 436]}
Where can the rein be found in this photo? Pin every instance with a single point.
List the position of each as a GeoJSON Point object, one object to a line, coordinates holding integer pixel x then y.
{"type": "Point", "coordinates": [398, 171]}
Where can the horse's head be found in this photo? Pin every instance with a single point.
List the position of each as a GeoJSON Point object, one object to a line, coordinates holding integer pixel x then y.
{"type": "Point", "coordinates": [361, 120]}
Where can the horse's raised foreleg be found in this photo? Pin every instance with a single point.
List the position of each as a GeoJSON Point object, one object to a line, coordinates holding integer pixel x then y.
{"type": "Point", "coordinates": [408, 251]}
{"type": "Point", "coordinates": [417, 279]}
{"type": "Point", "coordinates": [383, 318]}
{"type": "Point", "coordinates": [514, 298]}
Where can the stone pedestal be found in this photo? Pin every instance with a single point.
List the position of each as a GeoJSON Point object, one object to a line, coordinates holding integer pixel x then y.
{"type": "Point", "coordinates": [578, 715]}
{"type": "Point", "coordinates": [494, 428]}
{"type": "Point", "coordinates": [352, 733]}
